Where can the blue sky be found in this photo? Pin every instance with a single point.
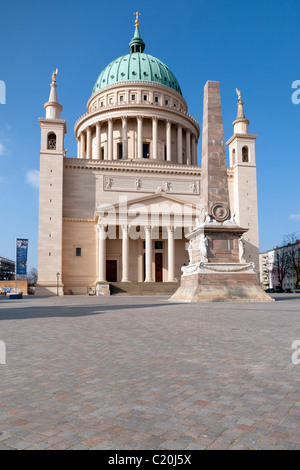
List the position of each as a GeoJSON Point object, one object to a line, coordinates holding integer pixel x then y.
{"type": "Point", "coordinates": [252, 45]}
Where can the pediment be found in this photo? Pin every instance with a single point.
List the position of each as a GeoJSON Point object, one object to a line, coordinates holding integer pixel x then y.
{"type": "Point", "coordinates": [157, 206]}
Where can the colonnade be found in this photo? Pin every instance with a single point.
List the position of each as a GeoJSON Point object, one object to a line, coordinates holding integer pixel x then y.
{"type": "Point", "coordinates": [102, 235]}
{"type": "Point", "coordinates": [84, 142]}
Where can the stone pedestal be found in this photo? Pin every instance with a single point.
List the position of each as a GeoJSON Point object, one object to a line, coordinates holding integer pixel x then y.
{"type": "Point", "coordinates": [220, 282]}
{"type": "Point", "coordinates": [217, 271]}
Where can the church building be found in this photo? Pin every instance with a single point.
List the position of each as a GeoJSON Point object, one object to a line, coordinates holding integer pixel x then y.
{"type": "Point", "coordinates": [118, 212]}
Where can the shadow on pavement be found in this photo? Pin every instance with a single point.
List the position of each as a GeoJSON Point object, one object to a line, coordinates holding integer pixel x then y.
{"type": "Point", "coordinates": [280, 297]}
{"type": "Point", "coordinates": [23, 313]}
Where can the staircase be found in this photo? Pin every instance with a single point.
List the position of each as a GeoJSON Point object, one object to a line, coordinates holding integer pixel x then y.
{"type": "Point", "coordinates": [143, 288]}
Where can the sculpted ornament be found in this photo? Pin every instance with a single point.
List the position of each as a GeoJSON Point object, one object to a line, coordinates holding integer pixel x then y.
{"type": "Point", "coordinates": [167, 185]}
{"type": "Point", "coordinates": [108, 182]}
{"type": "Point", "coordinates": [241, 249]}
{"type": "Point", "coordinates": [190, 251]}
{"type": "Point", "coordinates": [207, 218]}
{"type": "Point", "coordinates": [239, 94]}
{"type": "Point", "coordinates": [194, 187]}
{"type": "Point", "coordinates": [54, 73]}
{"type": "Point", "coordinates": [204, 248]}
{"type": "Point", "coordinates": [220, 212]}
{"type": "Point", "coordinates": [202, 215]}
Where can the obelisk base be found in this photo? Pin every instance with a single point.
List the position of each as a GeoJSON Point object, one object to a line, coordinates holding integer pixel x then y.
{"type": "Point", "coordinates": [220, 282]}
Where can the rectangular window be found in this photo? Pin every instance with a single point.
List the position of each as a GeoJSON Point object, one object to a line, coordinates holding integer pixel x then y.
{"type": "Point", "coordinates": [121, 98]}
{"type": "Point", "coordinates": [133, 97]}
{"type": "Point", "coordinates": [146, 151]}
{"type": "Point", "coordinates": [78, 251]}
{"type": "Point", "coordinates": [166, 102]}
{"type": "Point", "coordinates": [120, 151]}
{"type": "Point", "coordinates": [159, 245]}
{"type": "Point", "coordinates": [102, 153]}
{"type": "Point", "coordinates": [156, 99]}
{"type": "Point", "coordinates": [145, 97]}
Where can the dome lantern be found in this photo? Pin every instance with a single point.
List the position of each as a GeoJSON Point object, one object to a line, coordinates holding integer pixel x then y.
{"type": "Point", "coordinates": [137, 44]}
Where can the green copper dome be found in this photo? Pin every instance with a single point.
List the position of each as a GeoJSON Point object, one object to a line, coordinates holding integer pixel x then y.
{"type": "Point", "coordinates": [137, 67]}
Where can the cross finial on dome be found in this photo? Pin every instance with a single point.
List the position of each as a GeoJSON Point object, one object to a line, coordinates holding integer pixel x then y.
{"type": "Point", "coordinates": [137, 44]}
{"type": "Point", "coordinates": [137, 14]}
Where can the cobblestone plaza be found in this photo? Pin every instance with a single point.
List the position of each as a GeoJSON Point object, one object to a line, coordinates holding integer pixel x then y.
{"type": "Point", "coordinates": [145, 373]}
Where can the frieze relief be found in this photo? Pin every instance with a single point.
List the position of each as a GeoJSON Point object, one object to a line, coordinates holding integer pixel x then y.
{"type": "Point", "coordinates": [150, 185]}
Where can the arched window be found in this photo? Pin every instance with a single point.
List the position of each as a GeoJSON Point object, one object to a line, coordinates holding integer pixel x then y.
{"type": "Point", "coordinates": [245, 154]}
{"type": "Point", "coordinates": [52, 141]}
{"type": "Point", "coordinates": [233, 157]}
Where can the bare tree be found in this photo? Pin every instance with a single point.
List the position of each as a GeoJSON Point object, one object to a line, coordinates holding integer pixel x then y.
{"type": "Point", "coordinates": [293, 245]}
{"type": "Point", "coordinates": [281, 266]}
{"type": "Point", "coordinates": [32, 276]}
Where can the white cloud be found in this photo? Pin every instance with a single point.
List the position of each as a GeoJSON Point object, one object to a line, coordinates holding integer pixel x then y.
{"type": "Point", "coordinates": [2, 149]}
{"type": "Point", "coordinates": [33, 178]}
{"type": "Point", "coordinates": [294, 217]}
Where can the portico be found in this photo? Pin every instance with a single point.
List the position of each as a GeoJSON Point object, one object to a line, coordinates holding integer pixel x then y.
{"type": "Point", "coordinates": [143, 250]}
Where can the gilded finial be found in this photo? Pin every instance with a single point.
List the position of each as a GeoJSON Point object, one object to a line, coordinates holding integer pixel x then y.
{"type": "Point", "coordinates": [137, 14]}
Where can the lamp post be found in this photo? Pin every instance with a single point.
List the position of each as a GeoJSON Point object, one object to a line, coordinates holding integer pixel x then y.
{"type": "Point", "coordinates": [57, 277]}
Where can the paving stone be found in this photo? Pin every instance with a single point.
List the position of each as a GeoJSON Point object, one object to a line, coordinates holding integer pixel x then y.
{"type": "Point", "coordinates": [144, 373]}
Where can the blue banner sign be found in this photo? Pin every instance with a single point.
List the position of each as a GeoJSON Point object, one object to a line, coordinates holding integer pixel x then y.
{"type": "Point", "coordinates": [22, 250]}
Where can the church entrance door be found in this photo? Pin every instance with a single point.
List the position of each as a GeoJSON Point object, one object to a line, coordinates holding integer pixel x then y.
{"type": "Point", "coordinates": [111, 270]}
{"type": "Point", "coordinates": [158, 267]}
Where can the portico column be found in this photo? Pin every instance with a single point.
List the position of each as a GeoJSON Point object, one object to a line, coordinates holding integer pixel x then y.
{"type": "Point", "coordinates": [110, 140]}
{"type": "Point", "coordinates": [168, 140]}
{"type": "Point", "coordinates": [82, 145]}
{"type": "Point", "coordinates": [101, 252]}
{"type": "Point", "coordinates": [125, 254]}
{"type": "Point", "coordinates": [194, 156]}
{"type": "Point", "coordinates": [88, 143]}
{"type": "Point", "coordinates": [188, 147]}
{"type": "Point", "coordinates": [154, 136]}
{"type": "Point", "coordinates": [124, 138]}
{"type": "Point", "coordinates": [171, 255]}
{"type": "Point", "coordinates": [78, 148]}
{"type": "Point", "coordinates": [98, 141]}
{"type": "Point", "coordinates": [148, 254]}
{"type": "Point", "coordinates": [140, 137]}
{"type": "Point", "coordinates": [179, 144]}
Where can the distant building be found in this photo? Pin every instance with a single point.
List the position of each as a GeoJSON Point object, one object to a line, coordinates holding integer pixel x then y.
{"type": "Point", "coordinates": [266, 264]}
{"type": "Point", "coordinates": [7, 269]}
{"type": "Point", "coordinates": [276, 261]}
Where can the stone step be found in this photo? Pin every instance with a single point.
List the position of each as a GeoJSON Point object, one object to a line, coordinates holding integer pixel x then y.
{"type": "Point", "coordinates": [143, 288]}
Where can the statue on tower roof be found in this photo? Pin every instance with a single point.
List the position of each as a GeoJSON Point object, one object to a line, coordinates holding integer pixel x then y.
{"type": "Point", "coordinates": [54, 73]}
{"type": "Point", "coordinates": [238, 92]}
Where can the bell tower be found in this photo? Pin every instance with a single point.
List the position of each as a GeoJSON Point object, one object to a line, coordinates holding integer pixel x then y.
{"type": "Point", "coordinates": [242, 161]}
{"type": "Point", "coordinates": [53, 130]}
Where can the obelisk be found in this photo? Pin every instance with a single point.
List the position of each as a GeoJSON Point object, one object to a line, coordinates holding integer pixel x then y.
{"type": "Point", "coordinates": [214, 182]}
{"type": "Point", "coordinates": [217, 271]}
